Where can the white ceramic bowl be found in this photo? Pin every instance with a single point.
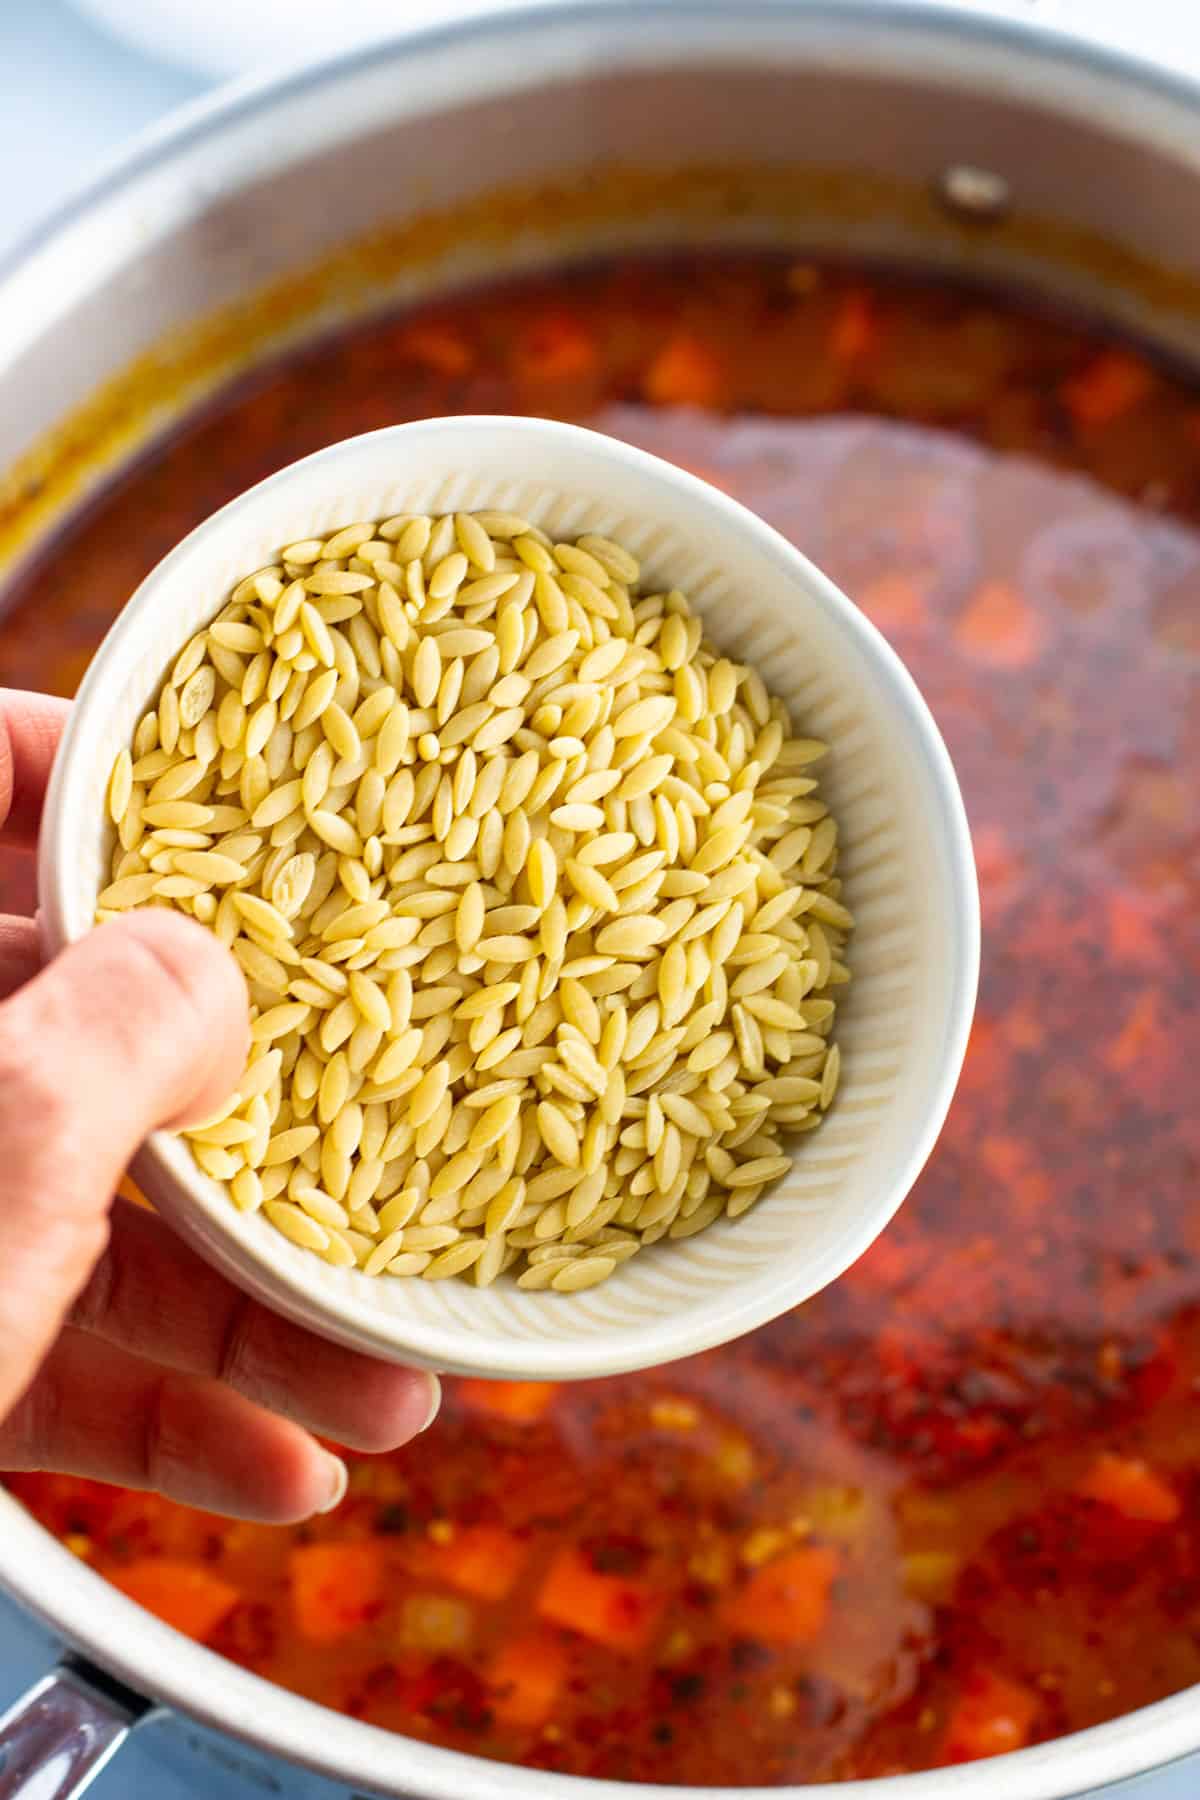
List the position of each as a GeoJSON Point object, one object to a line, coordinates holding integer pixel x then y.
{"type": "Point", "coordinates": [906, 861]}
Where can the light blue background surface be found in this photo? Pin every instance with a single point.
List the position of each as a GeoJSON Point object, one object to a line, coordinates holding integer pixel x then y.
{"type": "Point", "coordinates": [69, 97]}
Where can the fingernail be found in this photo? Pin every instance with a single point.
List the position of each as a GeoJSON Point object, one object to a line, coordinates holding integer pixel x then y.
{"type": "Point", "coordinates": [435, 1401]}
{"type": "Point", "coordinates": [339, 1480]}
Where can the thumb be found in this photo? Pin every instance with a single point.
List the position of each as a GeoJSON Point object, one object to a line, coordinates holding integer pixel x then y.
{"type": "Point", "coordinates": [140, 1024]}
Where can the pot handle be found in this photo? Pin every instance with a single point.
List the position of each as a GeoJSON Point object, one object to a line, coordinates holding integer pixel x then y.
{"type": "Point", "coordinates": [58, 1736]}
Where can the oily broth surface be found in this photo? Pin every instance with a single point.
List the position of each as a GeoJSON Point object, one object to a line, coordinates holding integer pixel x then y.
{"type": "Point", "coordinates": [1015, 503]}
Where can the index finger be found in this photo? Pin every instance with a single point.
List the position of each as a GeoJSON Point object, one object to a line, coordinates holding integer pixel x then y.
{"type": "Point", "coordinates": [30, 727]}
{"type": "Point", "coordinates": [151, 1296]}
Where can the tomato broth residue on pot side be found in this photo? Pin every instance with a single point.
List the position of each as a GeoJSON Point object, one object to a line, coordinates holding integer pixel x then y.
{"type": "Point", "coordinates": [952, 1506]}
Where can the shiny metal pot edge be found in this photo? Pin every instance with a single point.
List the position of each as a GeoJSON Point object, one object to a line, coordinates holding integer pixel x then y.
{"type": "Point", "coordinates": [209, 207]}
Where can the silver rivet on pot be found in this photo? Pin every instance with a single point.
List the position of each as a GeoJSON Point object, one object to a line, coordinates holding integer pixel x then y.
{"type": "Point", "coordinates": [978, 195]}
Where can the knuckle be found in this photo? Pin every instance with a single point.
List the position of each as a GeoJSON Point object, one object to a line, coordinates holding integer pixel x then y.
{"type": "Point", "coordinates": [153, 961]}
{"type": "Point", "coordinates": [160, 986]}
{"type": "Point", "coordinates": [236, 1355]}
{"type": "Point", "coordinates": [157, 1458]}
{"type": "Point", "coordinates": [32, 1427]}
{"type": "Point", "coordinates": [36, 1099]}
{"type": "Point", "coordinates": [180, 981]}
{"type": "Point", "coordinates": [99, 1299]}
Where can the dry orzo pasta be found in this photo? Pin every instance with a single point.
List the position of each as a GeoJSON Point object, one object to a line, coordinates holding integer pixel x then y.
{"type": "Point", "coordinates": [533, 890]}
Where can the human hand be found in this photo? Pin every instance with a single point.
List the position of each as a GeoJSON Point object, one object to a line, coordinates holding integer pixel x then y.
{"type": "Point", "coordinates": [123, 1356]}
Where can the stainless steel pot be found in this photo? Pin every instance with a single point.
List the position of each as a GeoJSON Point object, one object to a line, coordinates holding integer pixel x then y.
{"type": "Point", "coordinates": [991, 148]}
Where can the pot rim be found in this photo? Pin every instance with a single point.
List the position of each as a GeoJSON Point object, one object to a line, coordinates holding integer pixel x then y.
{"type": "Point", "coordinates": [94, 1616]}
{"type": "Point", "coordinates": [989, 24]}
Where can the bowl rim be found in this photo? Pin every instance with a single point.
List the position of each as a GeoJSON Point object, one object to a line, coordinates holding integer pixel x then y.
{"type": "Point", "coordinates": [163, 1165]}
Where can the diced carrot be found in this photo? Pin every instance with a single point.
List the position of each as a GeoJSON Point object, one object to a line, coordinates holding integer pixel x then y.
{"type": "Point", "coordinates": [1136, 1035]}
{"type": "Point", "coordinates": [335, 1588]}
{"type": "Point", "coordinates": [1025, 1029]}
{"type": "Point", "coordinates": [555, 346]}
{"type": "Point", "coordinates": [482, 1560]}
{"type": "Point", "coordinates": [1109, 386]}
{"type": "Point", "coordinates": [1132, 1488]}
{"type": "Point", "coordinates": [526, 1678]}
{"type": "Point", "coordinates": [1135, 929]}
{"type": "Point", "coordinates": [610, 1609]}
{"type": "Point", "coordinates": [684, 373]}
{"type": "Point", "coordinates": [1000, 627]}
{"type": "Point", "coordinates": [519, 1401]}
{"type": "Point", "coordinates": [992, 1714]}
{"type": "Point", "coordinates": [1006, 1158]}
{"type": "Point", "coordinates": [438, 346]}
{"type": "Point", "coordinates": [183, 1594]}
{"type": "Point", "coordinates": [855, 330]}
{"type": "Point", "coordinates": [893, 601]}
{"type": "Point", "coordinates": [785, 1602]}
